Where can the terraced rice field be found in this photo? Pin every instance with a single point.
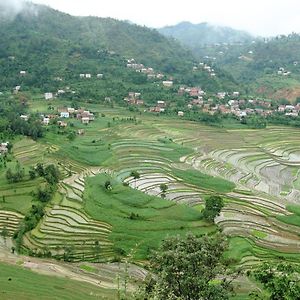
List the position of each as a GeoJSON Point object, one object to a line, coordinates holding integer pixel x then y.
{"type": "Point", "coordinates": [10, 221]}
{"type": "Point", "coordinates": [257, 172]}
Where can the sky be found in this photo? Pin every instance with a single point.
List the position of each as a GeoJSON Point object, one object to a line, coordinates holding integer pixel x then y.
{"type": "Point", "coordinates": [259, 17]}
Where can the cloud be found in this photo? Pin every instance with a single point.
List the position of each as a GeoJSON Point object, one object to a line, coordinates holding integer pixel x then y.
{"type": "Point", "coordinates": [10, 8]}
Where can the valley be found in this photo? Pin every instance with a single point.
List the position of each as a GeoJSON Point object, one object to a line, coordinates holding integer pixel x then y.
{"type": "Point", "coordinates": [255, 171]}
{"type": "Point", "coordinates": [135, 165]}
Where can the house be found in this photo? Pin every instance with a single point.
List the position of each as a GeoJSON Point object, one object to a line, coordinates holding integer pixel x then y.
{"type": "Point", "coordinates": [22, 73]}
{"type": "Point", "coordinates": [161, 103]}
{"type": "Point", "coordinates": [3, 148]}
{"type": "Point", "coordinates": [99, 76]}
{"type": "Point", "coordinates": [235, 94]}
{"type": "Point", "coordinates": [181, 90]}
{"type": "Point", "coordinates": [167, 83]}
{"type": "Point", "coordinates": [62, 124]}
{"type": "Point", "coordinates": [85, 120]}
{"type": "Point", "coordinates": [81, 75]}
{"type": "Point", "coordinates": [151, 76]}
{"type": "Point", "coordinates": [65, 114]}
{"type": "Point", "coordinates": [159, 76]}
{"type": "Point", "coordinates": [17, 88]}
{"type": "Point", "coordinates": [221, 95]}
{"type": "Point", "coordinates": [180, 113]}
{"type": "Point", "coordinates": [289, 107]}
{"type": "Point", "coordinates": [88, 75]}
{"type": "Point", "coordinates": [46, 120]}
{"type": "Point", "coordinates": [60, 92]}
{"type": "Point", "coordinates": [157, 109]}
{"type": "Point", "coordinates": [71, 110]}
{"type": "Point", "coordinates": [197, 101]}
{"type": "Point", "coordinates": [292, 114]}
{"type": "Point", "coordinates": [24, 117]}
{"type": "Point", "coordinates": [48, 96]}
{"type": "Point", "coordinates": [80, 131]}
{"type": "Point", "coordinates": [139, 102]}
{"type": "Point", "coordinates": [194, 92]}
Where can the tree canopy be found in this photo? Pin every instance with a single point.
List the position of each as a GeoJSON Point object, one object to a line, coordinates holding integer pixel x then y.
{"type": "Point", "coordinates": [188, 268]}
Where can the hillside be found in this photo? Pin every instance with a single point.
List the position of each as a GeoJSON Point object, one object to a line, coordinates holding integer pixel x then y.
{"type": "Point", "coordinates": [53, 48]}
{"type": "Point", "coordinates": [197, 35]}
{"type": "Point", "coordinates": [270, 67]}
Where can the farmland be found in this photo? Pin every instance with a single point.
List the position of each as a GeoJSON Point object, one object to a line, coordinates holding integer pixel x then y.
{"type": "Point", "coordinates": [256, 172]}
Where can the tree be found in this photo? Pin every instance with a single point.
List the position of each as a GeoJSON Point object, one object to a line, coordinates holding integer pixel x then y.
{"type": "Point", "coordinates": [136, 175]}
{"type": "Point", "coordinates": [281, 281]}
{"type": "Point", "coordinates": [213, 207]}
{"type": "Point", "coordinates": [4, 233]}
{"type": "Point", "coordinates": [163, 187]}
{"type": "Point", "coordinates": [188, 268]}
{"type": "Point", "coordinates": [108, 185]}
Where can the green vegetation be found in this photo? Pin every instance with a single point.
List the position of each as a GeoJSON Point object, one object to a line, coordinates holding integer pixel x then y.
{"type": "Point", "coordinates": [20, 283]}
{"type": "Point", "coordinates": [280, 281]}
{"type": "Point", "coordinates": [205, 181]}
{"type": "Point", "coordinates": [154, 219]}
{"type": "Point", "coordinates": [188, 268]}
{"type": "Point", "coordinates": [213, 207]}
{"type": "Point", "coordinates": [196, 36]}
{"type": "Point", "coordinates": [294, 218]}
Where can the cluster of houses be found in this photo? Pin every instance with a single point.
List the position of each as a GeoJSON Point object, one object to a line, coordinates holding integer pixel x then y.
{"type": "Point", "coordinates": [140, 68]}
{"type": "Point", "coordinates": [283, 72]}
{"type": "Point", "coordinates": [206, 68]}
{"type": "Point", "coordinates": [85, 116]}
{"type": "Point", "coordinates": [3, 148]}
{"type": "Point", "coordinates": [89, 76]}
{"type": "Point", "coordinates": [50, 96]}
{"type": "Point", "coordinates": [192, 92]}
{"type": "Point", "coordinates": [134, 98]}
{"type": "Point", "coordinates": [160, 107]}
{"type": "Point", "coordinates": [243, 107]}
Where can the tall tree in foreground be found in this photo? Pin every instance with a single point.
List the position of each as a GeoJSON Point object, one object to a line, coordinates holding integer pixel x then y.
{"type": "Point", "coordinates": [188, 268]}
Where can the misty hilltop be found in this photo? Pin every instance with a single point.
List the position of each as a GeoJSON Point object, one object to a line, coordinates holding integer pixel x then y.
{"type": "Point", "coordinates": [49, 44]}
{"type": "Point", "coordinates": [197, 35]}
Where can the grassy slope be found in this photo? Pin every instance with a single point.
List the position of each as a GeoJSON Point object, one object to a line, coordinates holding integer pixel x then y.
{"type": "Point", "coordinates": [293, 219]}
{"type": "Point", "coordinates": [205, 181]}
{"type": "Point", "coordinates": [157, 217]}
{"type": "Point", "coordinates": [27, 285]}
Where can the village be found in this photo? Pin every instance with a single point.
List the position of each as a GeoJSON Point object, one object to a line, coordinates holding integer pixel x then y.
{"type": "Point", "coordinates": [195, 98]}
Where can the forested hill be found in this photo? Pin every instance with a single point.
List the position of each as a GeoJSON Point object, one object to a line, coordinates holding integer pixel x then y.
{"type": "Point", "coordinates": [53, 47]}
{"type": "Point", "coordinates": [197, 35]}
{"type": "Point", "coordinates": [269, 66]}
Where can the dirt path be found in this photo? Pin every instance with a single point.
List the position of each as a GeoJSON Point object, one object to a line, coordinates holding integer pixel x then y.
{"type": "Point", "coordinates": [102, 275]}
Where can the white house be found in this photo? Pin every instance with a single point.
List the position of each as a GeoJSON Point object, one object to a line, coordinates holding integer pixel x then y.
{"type": "Point", "coordinates": [85, 120]}
{"type": "Point", "coordinates": [180, 114]}
{"type": "Point", "coordinates": [167, 83]}
{"type": "Point", "coordinates": [46, 121]}
{"type": "Point", "coordinates": [71, 110]}
{"type": "Point", "coordinates": [23, 73]}
{"type": "Point", "coordinates": [88, 75]}
{"type": "Point", "coordinates": [81, 75]}
{"type": "Point", "coordinates": [48, 96]}
{"type": "Point", "coordinates": [99, 76]}
{"type": "Point", "coordinates": [65, 114]}
{"type": "Point", "coordinates": [24, 117]}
